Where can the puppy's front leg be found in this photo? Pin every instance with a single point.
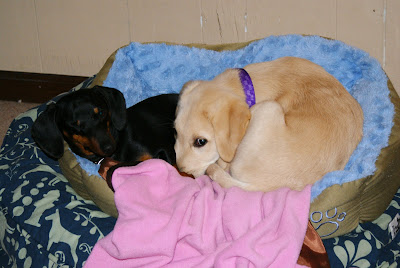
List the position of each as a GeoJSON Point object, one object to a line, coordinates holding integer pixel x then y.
{"type": "Point", "coordinates": [224, 165]}
{"type": "Point", "coordinates": [223, 178]}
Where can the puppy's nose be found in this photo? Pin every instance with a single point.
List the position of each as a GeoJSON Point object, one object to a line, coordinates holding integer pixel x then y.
{"type": "Point", "coordinates": [180, 167]}
{"type": "Point", "coordinates": [108, 149]}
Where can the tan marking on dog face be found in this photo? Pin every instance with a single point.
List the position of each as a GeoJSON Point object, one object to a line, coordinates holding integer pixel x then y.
{"type": "Point", "coordinates": [145, 157]}
{"type": "Point", "coordinates": [83, 143]}
{"type": "Point", "coordinates": [88, 146]}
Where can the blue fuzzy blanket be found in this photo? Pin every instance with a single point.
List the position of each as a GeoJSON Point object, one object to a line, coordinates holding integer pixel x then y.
{"type": "Point", "coordinates": [144, 70]}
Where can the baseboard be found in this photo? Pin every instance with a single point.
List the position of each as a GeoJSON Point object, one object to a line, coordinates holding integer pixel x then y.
{"type": "Point", "coordinates": [35, 87]}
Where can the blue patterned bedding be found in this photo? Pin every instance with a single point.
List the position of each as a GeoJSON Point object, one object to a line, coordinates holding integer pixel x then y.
{"type": "Point", "coordinates": [43, 223]}
{"type": "Point", "coordinates": [370, 244]}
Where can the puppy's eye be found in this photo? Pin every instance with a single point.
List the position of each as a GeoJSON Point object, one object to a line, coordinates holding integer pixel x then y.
{"type": "Point", "coordinates": [200, 142]}
{"type": "Point", "coordinates": [97, 111]}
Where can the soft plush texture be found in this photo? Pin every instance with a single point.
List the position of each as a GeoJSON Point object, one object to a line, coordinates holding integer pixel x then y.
{"type": "Point", "coordinates": [145, 70]}
{"type": "Point", "coordinates": [169, 220]}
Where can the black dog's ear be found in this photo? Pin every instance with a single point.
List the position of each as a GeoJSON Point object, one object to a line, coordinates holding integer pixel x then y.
{"type": "Point", "coordinates": [46, 133]}
{"type": "Point", "coordinates": [116, 103]}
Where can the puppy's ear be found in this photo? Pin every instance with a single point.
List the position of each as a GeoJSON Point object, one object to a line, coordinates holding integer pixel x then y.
{"type": "Point", "coordinates": [46, 134]}
{"type": "Point", "coordinates": [230, 124]}
{"type": "Point", "coordinates": [116, 103]}
{"type": "Point", "coordinates": [188, 87]}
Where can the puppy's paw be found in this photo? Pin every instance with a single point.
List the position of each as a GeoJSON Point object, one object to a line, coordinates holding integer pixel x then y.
{"type": "Point", "coordinates": [219, 175]}
{"type": "Point", "coordinates": [224, 165]}
{"type": "Point", "coordinates": [223, 178]}
{"type": "Point", "coordinates": [214, 170]}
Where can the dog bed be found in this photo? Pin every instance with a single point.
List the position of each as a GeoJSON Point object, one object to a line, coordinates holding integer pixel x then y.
{"type": "Point", "coordinates": [44, 223]}
{"type": "Point", "coordinates": [341, 199]}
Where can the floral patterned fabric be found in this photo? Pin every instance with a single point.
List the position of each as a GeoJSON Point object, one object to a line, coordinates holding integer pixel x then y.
{"type": "Point", "coordinates": [370, 244]}
{"type": "Point", "coordinates": [43, 223]}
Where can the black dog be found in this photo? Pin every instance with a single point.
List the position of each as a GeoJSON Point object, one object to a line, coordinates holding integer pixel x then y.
{"type": "Point", "coordinates": [96, 124]}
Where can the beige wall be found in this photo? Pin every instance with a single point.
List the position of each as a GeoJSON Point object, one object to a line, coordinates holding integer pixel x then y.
{"type": "Point", "coordinates": [75, 37]}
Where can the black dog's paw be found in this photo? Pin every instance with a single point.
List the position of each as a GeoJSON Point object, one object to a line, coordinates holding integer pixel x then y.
{"type": "Point", "coordinates": [110, 171]}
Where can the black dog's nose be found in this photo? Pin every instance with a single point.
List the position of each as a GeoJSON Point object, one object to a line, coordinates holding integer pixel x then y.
{"type": "Point", "coordinates": [108, 149]}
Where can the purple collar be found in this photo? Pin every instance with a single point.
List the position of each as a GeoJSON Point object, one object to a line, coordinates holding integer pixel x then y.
{"type": "Point", "coordinates": [248, 87]}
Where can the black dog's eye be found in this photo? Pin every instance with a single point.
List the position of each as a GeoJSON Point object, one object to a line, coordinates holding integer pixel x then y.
{"type": "Point", "coordinates": [200, 142]}
{"type": "Point", "coordinates": [98, 112]}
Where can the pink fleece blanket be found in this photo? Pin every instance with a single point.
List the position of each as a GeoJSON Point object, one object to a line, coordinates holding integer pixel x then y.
{"type": "Point", "coordinates": [166, 220]}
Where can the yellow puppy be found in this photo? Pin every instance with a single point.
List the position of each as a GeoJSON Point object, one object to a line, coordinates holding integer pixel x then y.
{"type": "Point", "coordinates": [303, 125]}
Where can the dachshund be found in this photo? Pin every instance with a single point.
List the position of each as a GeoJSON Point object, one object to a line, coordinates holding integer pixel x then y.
{"type": "Point", "coordinates": [96, 125]}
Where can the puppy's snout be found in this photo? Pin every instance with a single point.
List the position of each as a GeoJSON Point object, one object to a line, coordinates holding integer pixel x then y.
{"type": "Point", "coordinates": [179, 166]}
{"type": "Point", "coordinates": [182, 168]}
{"type": "Point", "coordinates": [104, 143]}
{"type": "Point", "coordinates": [108, 149]}
{"type": "Point", "coordinates": [103, 147]}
